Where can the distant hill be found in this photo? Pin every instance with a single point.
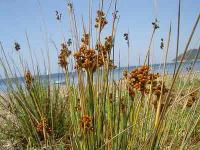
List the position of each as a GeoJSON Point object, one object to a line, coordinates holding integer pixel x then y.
{"type": "Point", "coordinates": [190, 55]}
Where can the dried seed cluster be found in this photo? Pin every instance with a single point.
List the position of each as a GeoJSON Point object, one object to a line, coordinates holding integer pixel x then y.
{"type": "Point", "coordinates": [78, 105]}
{"type": "Point", "coordinates": [43, 125]}
{"type": "Point", "coordinates": [155, 24]}
{"type": "Point", "coordinates": [86, 58]}
{"type": "Point", "coordinates": [106, 47]}
{"type": "Point", "coordinates": [157, 88]}
{"type": "Point", "coordinates": [64, 54]}
{"type": "Point", "coordinates": [122, 105]}
{"type": "Point", "coordinates": [86, 39]}
{"type": "Point", "coordinates": [192, 98]}
{"type": "Point", "coordinates": [86, 123]}
{"type": "Point", "coordinates": [100, 20]}
{"type": "Point", "coordinates": [17, 46]}
{"type": "Point", "coordinates": [89, 58]}
{"type": "Point", "coordinates": [162, 44]}
{"type": "Point", "coordinates": [139, 78]}
{"type": "Point", "coordinates": [58, 15]}
{"type": "Point", "coordinates": [28, 79]}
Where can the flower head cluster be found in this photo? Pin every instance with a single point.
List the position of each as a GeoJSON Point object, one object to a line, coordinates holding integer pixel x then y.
{"type": "Point", "coordinates": [17, 46]}
{"type": "Point", "coordinates": [86, 123]}
{"type": "Point", "coordinates": [158, 88]}
{"type": "Point", "coordinates": [86, 58]}
{"type": "Point", "coordinates": [155, 24]}
{"type": "Point", "coordinates": [58, 15]}
{"type": "Point", "coordinates": [162, 43]}
{"type": "Point", "coordinates": [106, 47]}
{"type": "Point", "coordinates": [126, 37]}
{"type": "Point", "coordinates": [108, 43]}
{"type": "Point", "coordinates": [89, 58]}
{"type": "Point", "coordinates": [70, 5]}
{"type": "Point", "coordinates": [64, 54]}
{"type": "Point", "coordinates": [100, 20]}
{"type": "Point", "coordinates": [104, 51]}
{"type": "Point", "coordinates": [114, 14]}
{"type": "Point", "coordinates": [139, 78]}
{"type": "Point", "coordinates": [86, 39]}
{"type": "Point", "coordinates": [122, 105]}
{"type": "Point", "coordinates": [28, 79]}
{"type": "Point", "coordinates": [43, 125]}
{"type": "Point", "coordinates": [78, 105]}
{"type": "Point", "coordinates": [192, 98]}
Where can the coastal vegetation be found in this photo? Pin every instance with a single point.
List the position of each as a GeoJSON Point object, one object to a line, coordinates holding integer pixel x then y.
{"type": "Point", "coordinates": [142, 110]}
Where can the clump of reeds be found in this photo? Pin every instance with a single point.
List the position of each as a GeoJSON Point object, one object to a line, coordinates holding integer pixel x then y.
{"type": "Point", "coordinates": [139, 111]}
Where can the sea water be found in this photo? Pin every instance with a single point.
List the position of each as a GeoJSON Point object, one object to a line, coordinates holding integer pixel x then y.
{"type": "Point", "coordinates": [59, 78]}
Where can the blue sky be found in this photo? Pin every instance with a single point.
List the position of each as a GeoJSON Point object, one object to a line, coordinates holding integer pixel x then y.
{"type": "Point", "coordinates": [37, 18]}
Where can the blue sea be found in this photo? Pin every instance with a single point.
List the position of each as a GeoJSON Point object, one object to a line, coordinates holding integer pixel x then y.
{"type": "Point", "coordinates": [59, 78]}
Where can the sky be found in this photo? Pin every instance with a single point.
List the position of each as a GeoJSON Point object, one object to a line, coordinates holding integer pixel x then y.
{"type": "Point", "coordinates": [35, 20]}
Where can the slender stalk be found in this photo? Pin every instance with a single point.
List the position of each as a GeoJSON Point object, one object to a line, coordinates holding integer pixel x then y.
{"type": "Point", "coordinates": [178, 35]}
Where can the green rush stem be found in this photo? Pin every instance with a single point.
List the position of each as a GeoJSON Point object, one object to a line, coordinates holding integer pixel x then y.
{"type": "Point", "coordinates": [36, 103]}
{"type": "Point", "coordinates": [158, 112]}
{"type": "Point", "coordinates": [147, 57]}
{"type": "Point", "coordinates": [162, 115]}
{"type": "Point", "coordinates": [135, 117]}
{"type": "Point", "coordinates": [67, 79]}
{"type": "Point", "coordinates": [91, 95]}
{"type": "Point", "coordinates": [160, 99]}
{"type": "Point", "coordinates": [178, 35]}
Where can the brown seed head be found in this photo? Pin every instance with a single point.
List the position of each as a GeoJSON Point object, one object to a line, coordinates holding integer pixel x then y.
{"type": "Point", "coordinates": [64, 54]}
{"type": "Point", "coordinates": [86, 123]}
{"type": "Point", "coordinates": [100, 20]}
{"type": "Point", "coordinates": [139, 78]}
{"type": "Point", "coordinates": [17, 46]}
{"type": "Point", "coordinates": [28, 79]}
